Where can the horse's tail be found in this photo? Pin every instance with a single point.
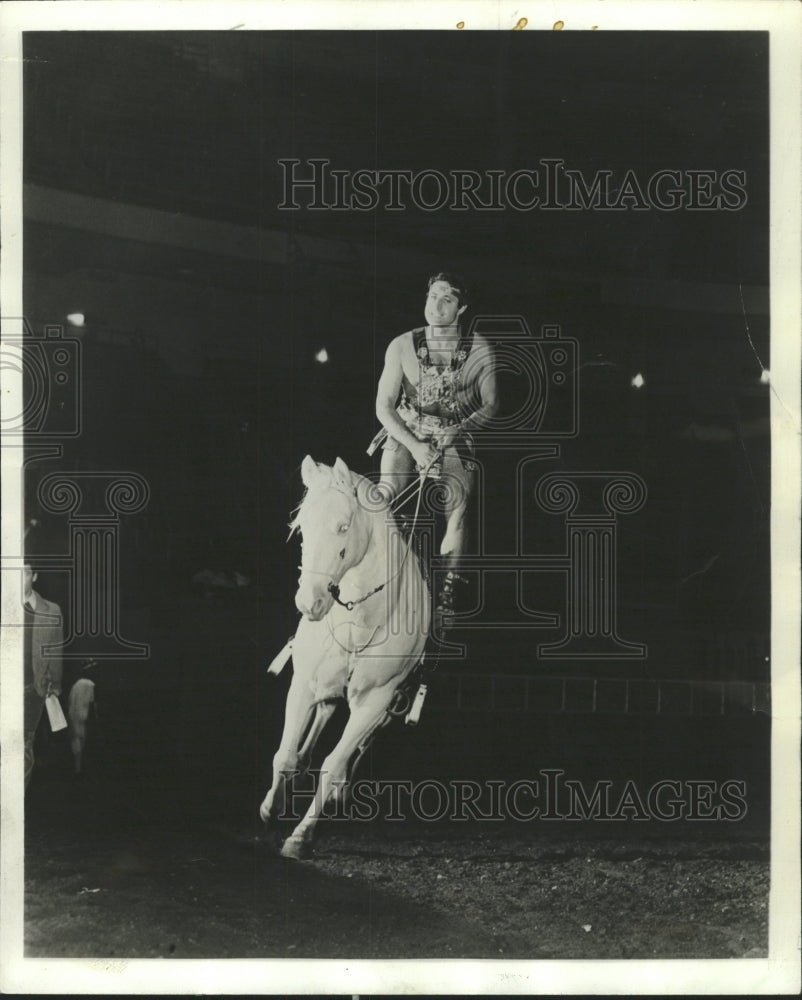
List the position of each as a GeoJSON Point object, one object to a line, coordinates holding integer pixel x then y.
{"type": "Point", "coordinates": [281, 661]}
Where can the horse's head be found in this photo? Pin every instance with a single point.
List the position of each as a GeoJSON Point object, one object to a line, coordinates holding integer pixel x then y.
{"type": "Point", "coordinates": [335, 534]}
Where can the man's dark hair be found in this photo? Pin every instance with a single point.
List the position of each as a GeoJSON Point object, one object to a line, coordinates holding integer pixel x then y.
{"type": "Point", "coordinates": [456, 281]}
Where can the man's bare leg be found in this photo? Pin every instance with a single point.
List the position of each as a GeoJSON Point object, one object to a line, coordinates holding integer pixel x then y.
{"type": "Point", "coordinates": [455, 538]}
{"type": "Point", "coordinates": [397, 467]}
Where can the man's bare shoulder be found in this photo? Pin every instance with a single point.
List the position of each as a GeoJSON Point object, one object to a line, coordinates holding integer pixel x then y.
{"type": "Point", "coordinates": [400, 344]}
{"type": "Point", "coordinates": [404, 338]}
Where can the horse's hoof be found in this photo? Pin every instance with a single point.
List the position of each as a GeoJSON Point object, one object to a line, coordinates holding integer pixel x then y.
{"type": "Point", "coordinates": [271, 827]}
{"type": "Point", "coordinates": [268, 815]}
{"type": "Point", "coordinates": [296, 848]}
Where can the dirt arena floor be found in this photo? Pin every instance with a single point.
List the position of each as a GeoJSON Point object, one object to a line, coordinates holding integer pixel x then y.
{"type": "Point", "coordinates": [112, 872]}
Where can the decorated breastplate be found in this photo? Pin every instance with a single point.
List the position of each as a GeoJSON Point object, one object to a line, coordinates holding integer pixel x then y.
{"type": "Point", "coordinates": [438, 386]}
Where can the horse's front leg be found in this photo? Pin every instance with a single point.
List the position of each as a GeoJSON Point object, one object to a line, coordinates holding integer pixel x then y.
{"type": "Point", "coordinates": [299, 707]}
{"type": "Point", "coordinates": [366, 713]}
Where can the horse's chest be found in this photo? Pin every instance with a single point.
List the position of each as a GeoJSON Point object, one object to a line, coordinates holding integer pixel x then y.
{"type": "Point", "coordinates": [345, 644]}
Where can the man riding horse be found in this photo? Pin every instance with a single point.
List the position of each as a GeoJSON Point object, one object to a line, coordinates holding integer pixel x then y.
{"type": "Point", "coordinates": [438, 385]}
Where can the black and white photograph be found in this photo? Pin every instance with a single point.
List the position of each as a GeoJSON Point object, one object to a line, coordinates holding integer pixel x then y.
{"type": "Point", "coordinates": [400, 449]}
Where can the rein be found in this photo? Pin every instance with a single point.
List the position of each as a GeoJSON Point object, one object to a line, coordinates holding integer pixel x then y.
{"type": "Point", "coordinates": [334, 588]}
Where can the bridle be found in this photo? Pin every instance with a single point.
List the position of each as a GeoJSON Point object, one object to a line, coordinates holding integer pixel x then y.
{"type": "Point", "coordinates": [334, 588]}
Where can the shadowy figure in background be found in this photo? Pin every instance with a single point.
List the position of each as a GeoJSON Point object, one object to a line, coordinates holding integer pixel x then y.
{"type": "Point", "coordinates": [80, 701]}
{"type": "Point", "coordinates": [42, 664]}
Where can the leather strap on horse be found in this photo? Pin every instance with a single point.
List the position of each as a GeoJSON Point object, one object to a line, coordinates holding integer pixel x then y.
{"type": "Point", "coordinates": [334, 588]}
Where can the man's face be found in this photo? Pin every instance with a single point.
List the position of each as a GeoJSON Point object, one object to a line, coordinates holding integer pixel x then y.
{"type": "Point", "coordinates": [28, 579]}
{"type": "Point", "coordinates": [442, 305]}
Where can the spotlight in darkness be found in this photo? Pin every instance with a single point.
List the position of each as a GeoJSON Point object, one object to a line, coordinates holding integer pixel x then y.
{"type": "Point", "coordinates": [76, 319]}
{"type": "Point", "coordinates": [322, 356]}
{"type": "Point", "coordinates": [637, 381]}
{"type": "Point", "coordinates": [765, 376]}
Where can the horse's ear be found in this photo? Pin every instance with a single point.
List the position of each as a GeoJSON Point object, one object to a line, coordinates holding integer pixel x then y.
{"type": "Point", "coordinates": [309, 471]}
{"type": "Point", "coordinates": [342, 473]}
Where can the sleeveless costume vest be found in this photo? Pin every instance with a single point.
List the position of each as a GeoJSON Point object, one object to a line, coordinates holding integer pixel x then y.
{"type": "Point", "coordinates": [433, 403]}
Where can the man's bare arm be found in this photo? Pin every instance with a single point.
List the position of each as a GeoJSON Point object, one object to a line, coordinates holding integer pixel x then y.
{"type": "Point", "coordinates": [483, 364]}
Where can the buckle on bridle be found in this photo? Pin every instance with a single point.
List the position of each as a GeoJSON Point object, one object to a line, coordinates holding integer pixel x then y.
{"type": "Point", "coordinates": [334, 590]}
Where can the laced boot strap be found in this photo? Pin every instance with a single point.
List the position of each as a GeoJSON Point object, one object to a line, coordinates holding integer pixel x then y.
{"type": "Point", "coordinates": [405, 524]}
{"type": "Point", "coordinates": [445, 602]}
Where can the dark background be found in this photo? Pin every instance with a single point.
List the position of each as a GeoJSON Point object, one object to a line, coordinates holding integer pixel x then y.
{"type": "Point", "coordinates": [150, 195]}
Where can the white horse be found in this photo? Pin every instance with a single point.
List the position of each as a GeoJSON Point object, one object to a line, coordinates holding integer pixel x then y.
{"type": "Point", "coordinates": [366, 613]}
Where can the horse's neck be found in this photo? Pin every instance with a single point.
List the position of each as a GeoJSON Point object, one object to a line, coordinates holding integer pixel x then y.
{"type": "Point", "coordinates": [374, 563]}
{"type": "Point", "coordinates": [381, 562]}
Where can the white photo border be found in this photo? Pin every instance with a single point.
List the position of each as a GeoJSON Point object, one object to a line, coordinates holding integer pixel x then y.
{"type": "Point", "coordinates": [780, 972]}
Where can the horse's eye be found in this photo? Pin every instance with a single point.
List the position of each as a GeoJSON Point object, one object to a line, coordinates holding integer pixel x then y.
{"type": "Point", "coordinates": [343, 528]}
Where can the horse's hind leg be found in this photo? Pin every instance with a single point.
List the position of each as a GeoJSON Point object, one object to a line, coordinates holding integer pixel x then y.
{"type": "Point", "coordinates": [334, 772]}
{"type": "Point", "coordinates": [300, 704]}
{"type": "Point", "coordinates": [323, 713]}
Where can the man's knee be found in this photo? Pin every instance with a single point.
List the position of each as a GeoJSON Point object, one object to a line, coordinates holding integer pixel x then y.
{"type": "Point", "coordinates": [388, 487]}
